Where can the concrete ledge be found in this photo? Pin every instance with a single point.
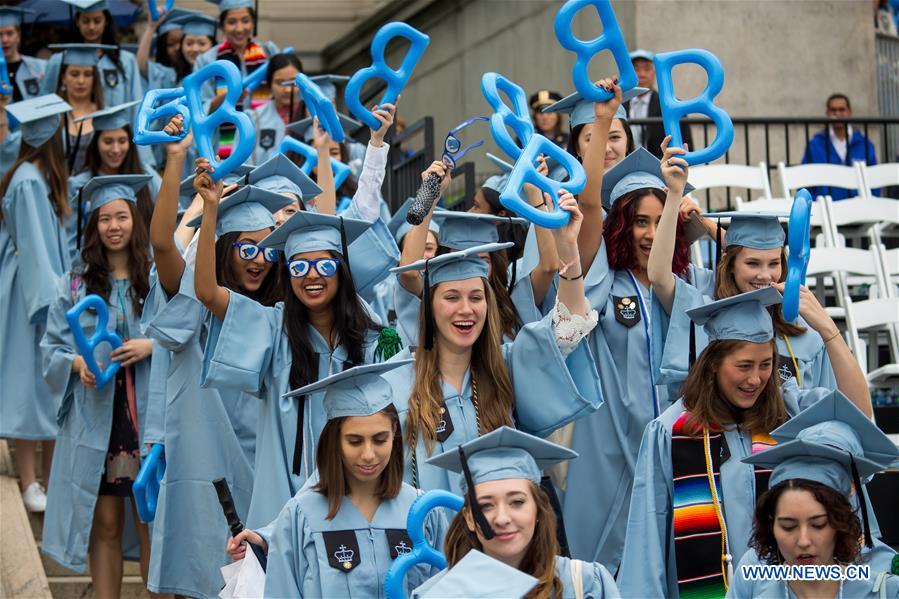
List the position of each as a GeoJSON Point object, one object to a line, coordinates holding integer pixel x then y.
{"type": "Point", "coordinates": [21, 571]}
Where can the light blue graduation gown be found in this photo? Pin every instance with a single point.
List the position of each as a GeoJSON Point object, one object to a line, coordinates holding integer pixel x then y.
{"type": "Point", "coordinates": [85, 422]}
{"type": "Point", "coordinates": [550, 391]}
{"type": "Point", "coordinates": [9, 150]}
{"type": "Point", "coordinates": [596, 582]}
{"type": "Point", "coordinates": [881, 583]}
{"type": "Point", "coordinates": [300, 545]}
{"type": "Point", "coordinates": [33, 257]}
{"type": "Point", "coordinates": [382, 302]}
{"type": "Point", "coordinates": [671, 343]}
{"type": "Point", "coordinates": [190, 530]}
{"type": "Point", "coordinates": [648, 562]}
{"type": "Point", "coordinates": [118, 86]}
{"type": "Point", "coordinates": [211, 55]}
{"type": "Point", "coordinates": [248, 351]}
{"type": "Point", "coordinates": [159, 76]}
{"type": "Point", "coordinates": [270, 130]}
{"type": "Point", "coordinates": [29, 76]}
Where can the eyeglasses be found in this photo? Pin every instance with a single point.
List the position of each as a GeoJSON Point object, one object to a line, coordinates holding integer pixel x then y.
{"type": "Point", "coordinates": [452, 145]}
{"type": "Point", "coordinates": [325, 267]}
{"type": "Point", "coordinates": [248, 251]}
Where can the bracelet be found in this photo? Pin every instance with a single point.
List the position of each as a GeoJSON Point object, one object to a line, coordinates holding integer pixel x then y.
{"type": "Point", "coordinates": [580, 276]}
{"type": "Point", "coordinates": [832, 337]}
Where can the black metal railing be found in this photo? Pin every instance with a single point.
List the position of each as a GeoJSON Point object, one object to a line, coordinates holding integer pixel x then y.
{"type": "Point", "coordinates": [410, 153]}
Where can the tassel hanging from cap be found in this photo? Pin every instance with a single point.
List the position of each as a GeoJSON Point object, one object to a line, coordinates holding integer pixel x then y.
{"type": "Point", "coordinates": [862, 501]}
{"type": "Point", "coordinates": [343, 247]}
{"type": "Point", "coordinates": [80, 217]}
{"type": "Point", "coordinates": [476, 511]}
{"type": "Point", "coordinates": [429, 315]}
{"type": "Point", "coordinates": [692, 354]}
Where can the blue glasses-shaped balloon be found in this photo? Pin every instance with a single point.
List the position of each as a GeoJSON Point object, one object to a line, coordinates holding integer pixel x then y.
{"type": "Point", "coordinates": [453, 149]}
{"type": "Point", "coordinates": [248, 251]}
{"type": "Point", "coordinates": [325, 267]}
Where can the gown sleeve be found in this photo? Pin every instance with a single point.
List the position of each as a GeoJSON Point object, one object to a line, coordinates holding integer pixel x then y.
{"type": "Point", "coordinates": [406, 305]}
{"type": "Point", "coordinates": [51, 74]}
{"type": "Point", "coordinates": [176, 321]}
{"type": "Point", "coordinates": [671, 333]}
{"type": "Point", "coordinates": [647, 563]}
{"type": "Point", "coordinates": [598, 582]}
{"type": "Point", "coordinates": [58, 350]}
{"type": "Point", "coordinates": [291, 552]}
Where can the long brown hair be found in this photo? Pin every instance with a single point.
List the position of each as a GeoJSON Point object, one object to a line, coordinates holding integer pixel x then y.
{"type": "Point", "coordinates": [131, 165]}
{"type": "Point", "coordinates": [96, 88]}
{"type": "Point", "coordinates": [95, 273]}
{"type": "Point", "coordinates": [332, 482]}
{"type": "Point", "coordinates": [269, 292]}
{"type": "Point", "coordinates": [488, 370]}
{"type": "Point", "coordinates": [726, 286]}
{"type": "Point", "coordinates": [704, 400]}
{"type": "Point", "coordinates": [49, 159]}
{"type": "Point", "coordinates": [540, 559]}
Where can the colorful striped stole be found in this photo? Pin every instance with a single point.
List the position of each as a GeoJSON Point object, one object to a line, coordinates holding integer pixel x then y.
{"type": "Point", "coordinates": [699, 544]}
{"type": "Point", "coordinates": [253, 58]}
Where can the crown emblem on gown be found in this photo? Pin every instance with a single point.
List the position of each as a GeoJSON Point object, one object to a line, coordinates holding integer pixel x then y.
{"type": "Point", "coordinates": [402, 548]}
{"type": "Point", "coordinates": [441, 426]}
{"type": "Point", "coordinates": [344, 556]}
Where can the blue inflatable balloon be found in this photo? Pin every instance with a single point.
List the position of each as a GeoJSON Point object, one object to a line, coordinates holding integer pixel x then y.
{"type": "Point", "coordinates": [422, 552]}
{"type": "Point", "coordinates": [146, 485]}
{"type": "Point", "coordinates": [611, 39]}
{"type": "Point", "coordinates": [5, 87]}
{"type": "Point", "coordinates": [673, 109]}
{"type": "Point", "coordinates": [154, 9]}
{"type": "Point", "coordinates": [148, 112]}
{"type": "Point", "coordinates": [379, 69]}
{"type": "Point", "coordinates": [518, 118]}
{"type": "Point", "coordinates": [799, 242]}
{"type": "Point", "coordinates": [319, 105]}
{"type": "Point", "coordinates": [291, 144]}
{"type": "Point", "coordinates": [526, 172]}
{"type": "Point", "coordinates": [101, 334]}
{"type": "Point", "coordinates": [204, 126]}
{"type": "Point", "coordinates": [255, 79]}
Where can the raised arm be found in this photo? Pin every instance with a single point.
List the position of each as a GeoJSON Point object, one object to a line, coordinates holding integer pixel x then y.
{"type": "Point", "coordinates": [206, 286]}
{"type": "Point", "coordinates": [146, 41]}
{"type": "Point", "coordinates": [542, 276]}
{"type": "Point", "coordinates": [674, 170]}
{"type": "Point", "coordinates": [326, 203]}
{"type": "Point", "coordinates": [367, 198]}
{"type": "Point", "coordinates": [415, 240]}
{"type": "Point", "coordinates": [571, 273]}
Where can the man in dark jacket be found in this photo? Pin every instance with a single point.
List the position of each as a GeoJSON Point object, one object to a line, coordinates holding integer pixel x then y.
{"type": "Point", "coordinates": [647, 105]}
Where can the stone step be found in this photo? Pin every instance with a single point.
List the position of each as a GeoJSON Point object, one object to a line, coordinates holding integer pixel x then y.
{"type": "Point", "coordinates": [79, 587]}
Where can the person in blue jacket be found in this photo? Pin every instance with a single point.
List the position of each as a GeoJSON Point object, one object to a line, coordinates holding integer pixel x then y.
{"type": "Point", "coordinates": [809, 516]}
{"type": "Point", "coordinates": [25, 72]}
{"type": "Point", "coordinates": [466, 383]}
{"type": "Point", "coordinates": [838, 143]}
{"type": "Point", "coordinates": [340, 537]}
{"type": "Point", "coordinates": [33, 255]}
{"type": "Point", "coordinates": [509, 517]}
{"type": "Point", "coordinates": [683, 534]}
{"type": "Point", "coordinates": [98, 447]}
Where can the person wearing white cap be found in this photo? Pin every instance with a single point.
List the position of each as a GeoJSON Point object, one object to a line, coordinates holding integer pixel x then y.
{"type": "Point", "coordinates": [32, 257]}
{"type": "Point", "coordinates": [98, 449]}
{"type": "Point", "coordinates": [25, 72]}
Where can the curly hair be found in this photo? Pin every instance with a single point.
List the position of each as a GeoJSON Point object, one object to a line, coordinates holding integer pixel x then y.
{"type": "Point", "coordinates": [840, 516]}
{"type": "Point", "coordinates": [619, 239]}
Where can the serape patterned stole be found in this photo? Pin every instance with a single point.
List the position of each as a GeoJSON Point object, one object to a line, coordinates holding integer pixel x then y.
{"type": "Point", "coordinates": [699, 543]}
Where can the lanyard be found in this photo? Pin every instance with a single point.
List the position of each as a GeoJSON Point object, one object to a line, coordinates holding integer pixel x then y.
{"type": "Point", "coordinates": [645, 313]}
{"type": "Point", "coordinates": [795, 362]}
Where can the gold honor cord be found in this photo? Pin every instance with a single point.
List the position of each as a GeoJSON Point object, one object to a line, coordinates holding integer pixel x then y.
{"type": "Point", "coordinates": [725, 558]}
{"type": "Point", "coordinates": [793, 357]}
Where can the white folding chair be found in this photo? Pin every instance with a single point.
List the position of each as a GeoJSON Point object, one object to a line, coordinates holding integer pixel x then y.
{"type": "Point", "coordinates": [873, 316]}
{"type": "Point", "coordinates": [793, 178]}
{"type": "Point", "coordinates": [781, 205]}
{"type": "Point", "coordinates": [876, 177]}
{"type": "Point", "coordinates": [731, 175]}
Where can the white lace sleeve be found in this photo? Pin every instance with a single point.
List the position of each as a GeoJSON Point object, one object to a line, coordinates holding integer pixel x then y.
{"type": "Point", "coordinates": [571, 328]}
{"type": "Point", "coordinates": [367, 199]}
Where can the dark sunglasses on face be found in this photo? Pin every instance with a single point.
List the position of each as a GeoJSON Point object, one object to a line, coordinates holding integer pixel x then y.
{"type": "Point", "coordinates": [248, 251]}
{"type": "Point", "coordinates": [325, 267]}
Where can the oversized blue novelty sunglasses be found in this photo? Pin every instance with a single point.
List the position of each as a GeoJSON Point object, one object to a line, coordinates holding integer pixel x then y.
{"type": "Point", "coordinates": [248, 251]}
{"type": "Point", "coordinates": [325, 267]}
{"type": "Point", "coordinates": [452, 145]}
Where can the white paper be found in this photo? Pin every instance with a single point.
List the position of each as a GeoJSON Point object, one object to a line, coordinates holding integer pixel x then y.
{"type": "Point", "coordinates": [244, 579]}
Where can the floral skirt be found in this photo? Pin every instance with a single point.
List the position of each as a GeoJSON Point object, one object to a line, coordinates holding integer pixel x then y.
{"type": "Point", "coordinates": [123, 455]}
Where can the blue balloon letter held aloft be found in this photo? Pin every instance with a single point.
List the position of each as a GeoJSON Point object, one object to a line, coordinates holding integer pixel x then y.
{"type": "Point", "coordinates": [611, 39]}
{"type": "Point", "coordinates": [422, 552]}
{"type": "Point", "coordinates": [799, 243]}
{"type": "Point", "coordinates": [526, 172]}
{"type": "Point", "coordinates": [146, 485]}
{"type": "Point", "coordinates": [101, 334]}
{"type": "Point", "coordinates": [673, 109]}
{"type": "Point", "coordinates": [204, 126]}
{"type": "Point", "coordinates": [5, 87]}
{"type": "Point", "coordinates": [518, 118]}
{"type": "Point", "coordinates": [154, 9]}
{"type": "Point", "coordinates": [255, 79]}
{"type": "Point", "coordinates": [148, 113]}
{"type": "Point", "coordinates": [291, 144]}
{"type": "Point", "coordinates": [319, 105]}
{"type": "Point", "coordinates": [395, 80]}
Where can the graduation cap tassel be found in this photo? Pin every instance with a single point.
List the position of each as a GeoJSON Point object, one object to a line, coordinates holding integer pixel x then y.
{"type": "Point", "coordinates": [862, 502]}
{"type": "Point", "coordinates": [74, 152]}
{"type": "Point", "coordinates": [718, 248]}
{"type": "Point", "coordinates": [292, 97]}
{"type": "Point", "coordinates": [476, 512]}
{"type": "Point", "coordinates": [429, 316]}
{"type": "Point", "coordinates": [692, 355]}
{"type": "Point", "coordinates": [514, 267]}
{"type": "Point", "coordinates": [80, 216]}
{"type": "Point", "coordinates": [298, 444]}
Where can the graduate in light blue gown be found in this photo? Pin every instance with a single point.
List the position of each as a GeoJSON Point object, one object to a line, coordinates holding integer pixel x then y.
{"type": "Point", "coordinates": [97, 454]}
{"type": "Point", "coordinates": [465, 383]}
{"type": "Point", "coordinates": [509, 517]}
{"type": "Point", "coordinates": [475, 576]}
{"type": "Point", "coordinates": [811, 507]}
{"type": "Point", "coordinates": [10, 141]}
{"type": "Point", "coordinates": [165, 35]}
{"type": "Point", "coordinates": [319, 326]}
{"type": "Point", "coordinates": [33, 257]}
{"type": "Point", "coordinates": [25, 72]}
{"type": "Point", "coordinates": [339, 538]}
{"type": "Point", "coordinates": [683, 535]}
{"type": "Point", "coordinates": [286, 106]}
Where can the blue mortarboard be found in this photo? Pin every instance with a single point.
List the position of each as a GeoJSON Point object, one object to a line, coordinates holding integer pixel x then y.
{"type": "Point", "coordinates": [315, 232]}
{"type": "Point", "coordinates": [196, 23]}
{"type": "Point", "coordinates": [172, 20]}
{"type": "Point", "coordinates": [497, 183]}
{"type": "Point", "coordinates": [186, 187]}
{"type": "Point", "coordinates": [280, 175]}
{"type": "Point", "coordinates": [581, 110]}
{"type": "Point", "coordinates": [503, 454]}
{"type": "Point", "coordinates": [12, 16]}
{"type": "Point", "coordinates": [81, 55]}
{"type": "Point", "coordinates": [303, 127]}
{"type": "Point", "coordinates": [88, 5]}
{"type": "Point", "coordinates": [462, 230]}
{"type": "Point", "coordinates": [740, 317]}
{"type": "Point", "coordinates": [39, 117]}
{"type": "Point", "coordinates": [638, 170]}
{"type": "Point", "coordinates": [224, 5]}
{"type": "Point", "coordinates": [477, 576]}
{"type": "Point", "coordinates": [641, 53]}
{"type": "Point", "coordinates": [455, 266]}
{"type": "Point", "coordinates": [100, 191]}
{"type": "Point", "coordinates": [357, 391]}
{"type": "Point", "coordinates": [114, 117]}
{"type": "Point", "coordinates": [398, 226]}
{"type": "Point", "coordinates": [328, 83]}
{"type": "Point", "coordinates": [503, 165]}
{"type": "Point", "coordinates": [248, 209]}
{"type": "Point", "coordinates": [757, 230]}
